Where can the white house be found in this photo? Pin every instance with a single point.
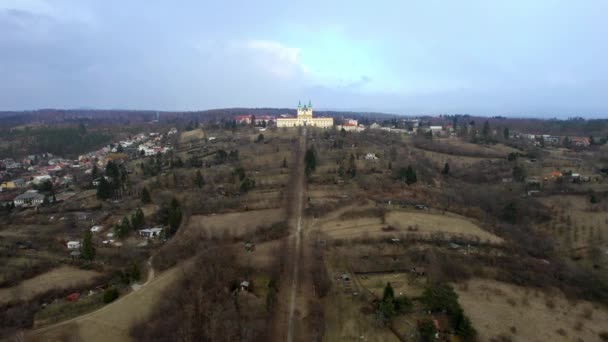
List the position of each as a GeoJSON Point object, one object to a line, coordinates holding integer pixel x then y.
{"type": "Point", "coordinates": [150, 233]}
{"type": "Point", "coordinates": [73, 244]}
{"type": "Point", "coordinates": [41, 179]}
{"type": "Point", "coordinates": [96, 229]}
{"type": "Point", "coordinates": [29, 198]}
{"type": "Point", "coordinates": [370, 156]}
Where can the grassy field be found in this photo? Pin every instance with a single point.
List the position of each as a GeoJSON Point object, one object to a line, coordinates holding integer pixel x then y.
{"type": "Point", "coordinates": [112, 322]}
{"type": "Point", "coordinates": [402, 283]}
{"type": "Point", "coordinates": [527, 315]}
{"type": "Point", "coordinates": [403, 222]}
{"type": "Point", "coordinates": [233, 224]}
{"type": "Point", "coordinates": [577, 221]}
{"type": "Point", "coordinates": [447, 223]}
{"type": "Point", "coordinates": [60, 278]}
{"type": "Point", "coordinates": [345, 322]}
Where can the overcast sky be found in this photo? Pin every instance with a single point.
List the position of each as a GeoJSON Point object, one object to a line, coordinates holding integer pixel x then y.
{"type": "Point", "coordinates": [513, 57]}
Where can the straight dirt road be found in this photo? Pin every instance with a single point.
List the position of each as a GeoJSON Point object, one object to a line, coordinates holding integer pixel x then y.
{"type": "Point", "coordinates": [291, 311]}
{"type": "Point", "coordinates": [299, 188]}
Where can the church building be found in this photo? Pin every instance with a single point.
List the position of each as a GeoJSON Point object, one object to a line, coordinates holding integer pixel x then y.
{"type": "Point", "coordinates": [305, 118]}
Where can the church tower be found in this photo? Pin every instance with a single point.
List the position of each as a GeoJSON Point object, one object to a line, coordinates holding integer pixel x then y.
{"type": "Point", "coordinates": [305, 113]}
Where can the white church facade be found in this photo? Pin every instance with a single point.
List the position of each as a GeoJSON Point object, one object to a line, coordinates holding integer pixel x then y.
{"type": "Point", "coordinates": [305, 118]}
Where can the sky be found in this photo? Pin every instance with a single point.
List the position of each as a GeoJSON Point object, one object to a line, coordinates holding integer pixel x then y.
{"type": "Point", "coordinates": [516, 58]}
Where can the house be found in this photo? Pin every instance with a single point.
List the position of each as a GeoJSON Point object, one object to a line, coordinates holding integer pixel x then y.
{"type": "Point", "coordinates": [551, 139]}
{"type": "Point", "coordinates": [150, 233]}
{"type": "Point", "coordinates": [436, 130]}
{"type": "Point", "coordinates": [244, 285]}
{"type": "Point", "coordinates": [96, 229]}
{"type": "Point", "coordinates": [243, 119]}
{"type": "Point", "coordinates": [41, 179]}
{"type": "Point", "coordinates": [370, 156]}
{"type": "Point", "coordinates": [73, 244]}
{"type": "Point", "coordinates": [580, 141]}
{"type": "Point", "coordinates": [555, 175]}
{"type": "Point", "coordinates": [29, 198]}
{"type": "Point", "coordinates": [13, 184]}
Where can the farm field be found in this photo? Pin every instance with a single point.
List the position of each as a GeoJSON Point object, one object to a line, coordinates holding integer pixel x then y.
{"type": "Point", "coordinates": [495, 308]}
{"type": "Point", "coordinates": [60, 278]}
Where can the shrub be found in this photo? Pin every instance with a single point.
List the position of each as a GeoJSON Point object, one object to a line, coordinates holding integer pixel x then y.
{"type": "Point", "coordinates": [427, 330]}
{"type": "Point", "coordinates": [110, 295]}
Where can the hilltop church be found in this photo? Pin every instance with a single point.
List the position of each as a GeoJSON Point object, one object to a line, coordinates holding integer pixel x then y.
{"type": "Point", "coordinates": [305, 118]}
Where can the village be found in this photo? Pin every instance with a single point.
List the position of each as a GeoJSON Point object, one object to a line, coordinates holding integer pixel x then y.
{"type": "Point", "coordinates": [405, 222]}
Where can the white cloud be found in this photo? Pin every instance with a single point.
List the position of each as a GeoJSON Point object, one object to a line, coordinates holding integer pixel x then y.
{"type": "Point", "coordinates": [280, 60]}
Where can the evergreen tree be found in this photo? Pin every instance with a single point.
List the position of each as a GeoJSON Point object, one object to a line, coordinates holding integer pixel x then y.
{"type": "Point", "coordinates": [174, 216]}
{"type": "Point", "coordinates": [199, 181]}
{"type": "Point", "coordinates": [485, 131]}
{"type": "Point", "coordinates": [593, 199]}
{"type": "Point", "coordinates": [427, 330]}
{"type": "Point", "coordinates": [510, 212]}
{"type": "Point", "coordinates": [95, 171]}
{"type": "Point", "coordinates": [506, 133]}
{"type": "Point", "coordinates": [123, 228]}
{"type": "Point", "coordinates": [410, 176]}
{"type": "Point", "coordinates": [104, 190]}
{"type": "Point", "coordinates": [145, 196]}
{"type": "Point", "coordinates": [284, 165]}
{"type": "Point", "coordinates": [446, 169]}
{"type": "Point", "coordinates": [87, 251]}
{"type": "Point", "coordinates": [389, 293]}
{"type": "Point", "coordinates": [352, 166]}
{"type": "Point", "coordinates": [113, 172]}
{"type": "Point", "coordinates": [260, 137]}
{"type": "Point", "coordinates": [137, 219]}
{"type": "Point", "coordinates": [310, 161]}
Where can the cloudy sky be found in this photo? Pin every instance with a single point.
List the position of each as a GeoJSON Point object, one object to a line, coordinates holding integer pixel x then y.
{"type": "Point", "coordinates": [513, 57]}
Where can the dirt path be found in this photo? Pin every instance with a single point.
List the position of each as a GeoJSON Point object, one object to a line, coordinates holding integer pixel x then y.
{"type": "Point", "coordinates": [290, 317]}
{"type": "Point", "coordinates": [89, 323]}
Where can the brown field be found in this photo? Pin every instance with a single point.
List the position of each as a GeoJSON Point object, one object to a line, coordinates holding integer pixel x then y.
{"type": "Point", "coordinates": [196, 134]}
{"type": "Point", "coordinates": [448, 223]}
{"type": "Point", "coordinates": [233, 224]}
{"type": "Point", "coordinates": [404, 222]}
{"type": "Point", "coordinates": [401, 283]}
{"type": "Point", "coordinates": [113, 321]}
{"type": "Point", "coordinates": [59, 278]}
{"type": "Point", "coordinates": [587, 222]}
{"type": "Point", "coordinates": [264, 254]}
{"type": "Point", "coordinates": [344, 321]}
{"type": "Point", "coordinates": [495, 308]}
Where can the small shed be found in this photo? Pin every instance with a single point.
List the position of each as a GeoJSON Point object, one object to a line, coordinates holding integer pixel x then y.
{"type": "Point", "coordinates": [73, 244]}
{"type": "Point", "coordinates": [244, 285]}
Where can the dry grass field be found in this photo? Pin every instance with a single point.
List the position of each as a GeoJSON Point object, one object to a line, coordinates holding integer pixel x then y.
{"type": "Point", "coordinates": [59, 278]}
{"type": "Point", "coordinates": [344, 321]}
{"type": "Point", "coordinates": [233, 224]}
{"type": "Point", "coordinates": [578, 221]}
{"type": "Point", "coordinates": [193, 135]}
{"type": "Point", "coordinates": [448, 223]}
{"type": "Point", "coordinates": [499, 309]}
{"type": "Point", "coordinates": [113, 321]}
{"type": "Point", "coordinates": [402, 283]}
{"type": "Point", "coordinates": [403, 222]}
